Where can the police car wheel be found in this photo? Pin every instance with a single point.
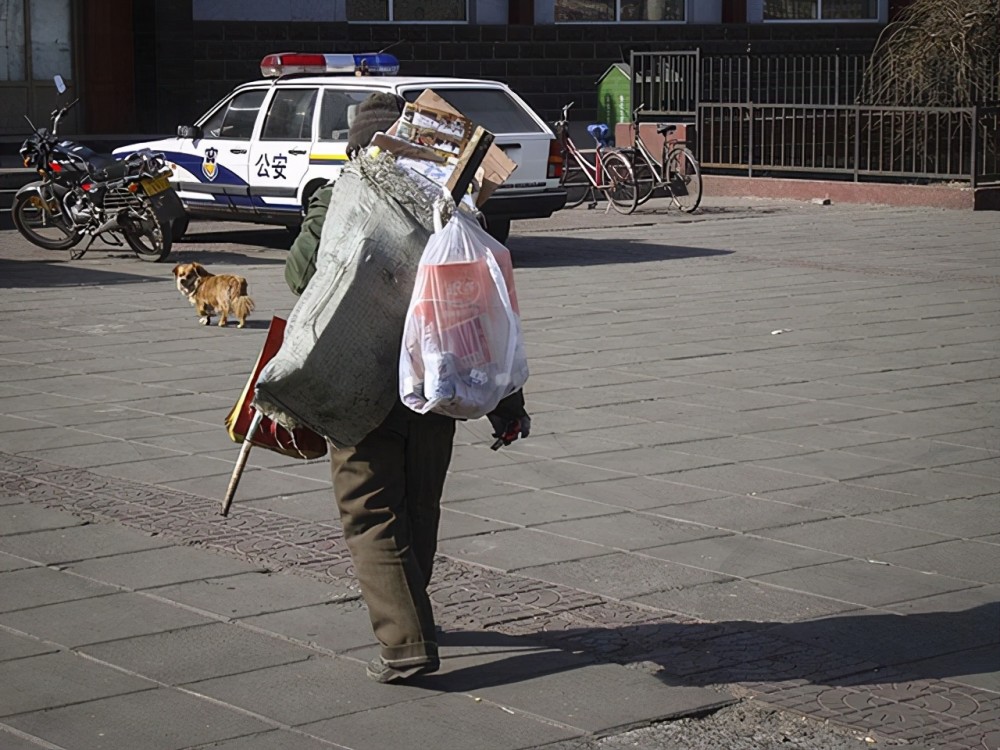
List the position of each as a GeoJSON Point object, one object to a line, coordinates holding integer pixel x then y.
{"type": "Point", "coordinates": [178, 228]}
{"type": "Point", "coordinates": [498, 228]}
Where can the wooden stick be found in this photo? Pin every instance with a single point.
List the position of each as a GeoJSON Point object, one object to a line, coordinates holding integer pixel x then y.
{"type": "Point", "coordinates": [241, 462]}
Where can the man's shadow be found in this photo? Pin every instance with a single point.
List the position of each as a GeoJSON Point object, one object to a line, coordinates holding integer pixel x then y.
{"type": "Point", "coordinates": [849, 649]}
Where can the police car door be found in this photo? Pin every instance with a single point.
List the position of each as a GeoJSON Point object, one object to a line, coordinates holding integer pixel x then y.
{"type": "Point", "coordinates": [279, 158]}
{"type": "Point", "coordinates": [221, 154]}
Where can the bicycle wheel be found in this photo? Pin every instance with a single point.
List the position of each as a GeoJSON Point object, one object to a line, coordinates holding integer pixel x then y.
{"type": "Point", "coordinates": [683, 178]}
{"type": "Point", "coordinates": [646, 175]}
{"type": "Point", "coordinates": [622, 191]}
{"type": "Point", "coordinates": [576, 184]}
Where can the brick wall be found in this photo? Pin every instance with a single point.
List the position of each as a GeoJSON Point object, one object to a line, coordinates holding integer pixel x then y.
{"type": "Point", "coordinates": [548, 65]}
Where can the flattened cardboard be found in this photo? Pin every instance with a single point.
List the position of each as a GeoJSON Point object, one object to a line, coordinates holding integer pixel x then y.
{"type": "Point", "coordinates": [496, 165]}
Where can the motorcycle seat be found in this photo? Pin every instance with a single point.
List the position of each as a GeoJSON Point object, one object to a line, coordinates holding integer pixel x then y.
{"type": "Point", "coordinates": [106, 168]}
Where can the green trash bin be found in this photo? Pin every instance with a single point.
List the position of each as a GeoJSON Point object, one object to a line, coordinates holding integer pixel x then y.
{"type": "Point", "coordinates": [614, 95]}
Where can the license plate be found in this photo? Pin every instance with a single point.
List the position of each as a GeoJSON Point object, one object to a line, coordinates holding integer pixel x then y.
{"type": "Point", "coordinates": [156, 185]}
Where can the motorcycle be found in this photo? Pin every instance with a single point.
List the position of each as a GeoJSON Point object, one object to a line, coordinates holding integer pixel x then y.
{"type": "Point", "coordinates": [85, 194]}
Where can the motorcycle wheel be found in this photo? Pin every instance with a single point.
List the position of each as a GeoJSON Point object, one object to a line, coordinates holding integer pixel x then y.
{"type": "Point", "coordinates": [147, 236]}
{"type": "Point", "coordinates": [41, 228]}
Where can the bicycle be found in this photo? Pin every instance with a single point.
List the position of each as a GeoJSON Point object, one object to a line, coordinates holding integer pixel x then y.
{"type": "Point", "coordinates": [610, 173]}
{"type": "Point", "coordinates": [677, 169]}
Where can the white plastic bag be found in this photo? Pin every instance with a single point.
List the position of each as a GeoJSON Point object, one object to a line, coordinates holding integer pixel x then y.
{"type": "Point", "coordinates": [462, 349]}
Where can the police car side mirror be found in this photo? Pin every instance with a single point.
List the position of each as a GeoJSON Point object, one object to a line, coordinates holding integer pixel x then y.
{"type": "Point", "coordinates": [189, 131]}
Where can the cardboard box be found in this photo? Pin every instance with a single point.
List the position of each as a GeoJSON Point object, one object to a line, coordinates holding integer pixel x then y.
{"type": "Point", "coordinates": [446, 133]}
{"type": "Point", "coordinates": [496, 166]}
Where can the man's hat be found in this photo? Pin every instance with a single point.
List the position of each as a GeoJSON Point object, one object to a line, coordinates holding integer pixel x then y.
{"type": "Point", "coordinates": [375, 114]}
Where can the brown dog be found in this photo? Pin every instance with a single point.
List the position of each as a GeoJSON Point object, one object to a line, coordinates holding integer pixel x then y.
{"type": "Point", "coordinates": [223, 294]}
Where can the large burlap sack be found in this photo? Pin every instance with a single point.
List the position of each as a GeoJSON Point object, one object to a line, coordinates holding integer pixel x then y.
{"type": "Point", "coordinates": [337, 370]}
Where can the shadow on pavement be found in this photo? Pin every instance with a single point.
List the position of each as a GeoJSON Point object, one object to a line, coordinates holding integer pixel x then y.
{"type": "Point", "coordinates": [849, 649]}
{"type": "Point", "coordinates": [240, 235]}
{"type": "Point", "coordinates": [41, 273]}
{"type": "Point", "coordinates": [546, 251]}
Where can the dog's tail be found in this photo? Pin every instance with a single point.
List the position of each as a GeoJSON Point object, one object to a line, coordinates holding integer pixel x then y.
{"type": "Point", "coordinates": [243, 306]}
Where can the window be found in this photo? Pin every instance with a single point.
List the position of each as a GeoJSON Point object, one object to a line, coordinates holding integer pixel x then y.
{"type": "Point", "coordinates": [50, 39]}
{"type": "Point", "coordinates": [619, 10]}
{"type": "Point", "coordinates": [290, 115]}
{"type": "Point", "coordinates": [235, 119]}
{"type": "Point", "coordinates": [491, 108]}
{"type": "Point", "coordinates": [12, 66]}
{"type": "Point", "coordinates": [406, 10]}
{"type": "Point", "coordinates": [336, 113]}
{"type": "Point", "coordinates": [824, 10]}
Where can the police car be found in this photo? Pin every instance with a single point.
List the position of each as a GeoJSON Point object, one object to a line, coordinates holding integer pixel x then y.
{"type": "Point", "coordinates": [262, 151]}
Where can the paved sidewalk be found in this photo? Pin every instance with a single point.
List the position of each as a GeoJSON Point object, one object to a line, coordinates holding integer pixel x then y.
{"type": "Point", "coordinates": [764, 463]}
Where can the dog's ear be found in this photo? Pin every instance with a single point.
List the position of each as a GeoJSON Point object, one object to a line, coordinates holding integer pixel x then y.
{"type": "Point", "coordinates": [177, 269]}
{"type": "Point", "coordinates": [200, 270]}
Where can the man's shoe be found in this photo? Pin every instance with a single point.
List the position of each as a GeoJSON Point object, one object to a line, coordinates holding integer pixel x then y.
{"type": "Point", "coordinates": [380, 670]}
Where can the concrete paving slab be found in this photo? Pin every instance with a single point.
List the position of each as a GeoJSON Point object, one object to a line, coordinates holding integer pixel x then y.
{"type": "Point", "coordinates": [444, 721]}
{"type": "Point", "coordinates": [831, 464]}
{"type": "Point", "coordinates": [531, 508]}
{"type": "Point", "coordinates": [744, 601]}
{"type": "Point", "coordinates": [255, 484]}
{"type": "Point", "coordinates": [9, 562]}
{"type": "Point", "coordinates": [580, 698]}
{"type": "Point", "coordinates": [933, 483]}
{"type": "Point", "coordinates": [455, 525]}
{"type": "Point", "coordinates": [837, 498]}
{"type": "Point", "coordinates": [740, 479]}
{"type": "Point", "coordinates": [888, 639]}
{"type": "Point", "coordinates": [253, 593]}
{"type": "Point", "coordinates": [203, 651]}
{"type": "Point", "coordinates": [80, 415]}
{"type": "Point", "coordinates": [864, 583]}
{"type": "Point", "coordinates": [637, 493]}
{"type": "Point", "coordinates": [104, 454]}
{"type": "Point", "coordinates": [160, 567]}
{"type": "Point", "coordinates": [740, 555]}
{"type": "Point", "coordinates": [962, 517]}
{"type": "Point", "coordinates": [38, 586]}
{"type": "Point", "coordinates": [61, 546]}
{"type": "Point", "coordinates": [68, 679]}
{"type": "Point", "coordinates": [13, 646]}
{"type": "Point", "coordinates": [151, 722]}
{"type": "Point", "coordinates": [518, 548]}
{"type": "Point", "coordinates": [307, 691]}
{"type": "Point", "coordinates": [103, 618]}
{"type": "Point", "coordinates": [27, 404]}
{"type": "Point", "coordinates": [18, 519]}
{"type": "Point", "coordinates": [335, 627]}
{"type": "Point", "coordinates": [977, 668]}
{"type": "Point", "coordinates": [854, 537]}
{"type": "Point", "coordinates": [43, 438]}
{"type": "Point", "coordinates": [638, 460]}
{"type": "Point", "coordinates": [146, 426]}
{"type": "Point", "coordinates": [740, 513]}
{"type": "Point", "coordinates": [540, 475]}
{"type": "Point", "coordinates": [629, 531]}
{"type": "Point", "coordinates": [315, 505]}
{"type": "Point", "coordinates": [622, 575]}
{"type": "Point", "coordinates": [279, 739]}
{"type": "Point", "coordinates": [163, 470]}
{"type": "Point", "coordinates": [743, 448]}
{"type": "Point", "coordinates": [968, 560]}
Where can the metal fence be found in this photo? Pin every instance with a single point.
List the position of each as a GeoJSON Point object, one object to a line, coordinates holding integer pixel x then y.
{"type": "Point", "coordinates": [799, 114]}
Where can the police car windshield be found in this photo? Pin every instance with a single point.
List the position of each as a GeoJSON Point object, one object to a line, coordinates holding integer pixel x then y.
{"type": "Point", "coordinates": [492, 108]}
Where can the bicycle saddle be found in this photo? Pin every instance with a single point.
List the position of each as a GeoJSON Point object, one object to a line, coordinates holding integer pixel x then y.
{"type": "Point", "coordinates": [664, 129]}
{"type": "Point", "coordinates": [600, 133]}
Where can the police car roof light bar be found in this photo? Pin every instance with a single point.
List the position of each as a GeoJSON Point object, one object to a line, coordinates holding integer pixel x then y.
{"type": "Point", "coordinates": [369, 63]}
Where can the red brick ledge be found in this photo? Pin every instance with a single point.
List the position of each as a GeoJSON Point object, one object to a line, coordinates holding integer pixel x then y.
{"type": "Point", "coordinates": [934, 196]}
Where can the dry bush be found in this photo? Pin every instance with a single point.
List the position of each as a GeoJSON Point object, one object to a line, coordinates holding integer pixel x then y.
{"type": "Point", "coordinates": [939, 53]}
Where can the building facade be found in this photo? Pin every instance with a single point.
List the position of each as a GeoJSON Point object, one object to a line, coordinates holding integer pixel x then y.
{"type": "Point", "coordinates": [145, 66]}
